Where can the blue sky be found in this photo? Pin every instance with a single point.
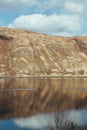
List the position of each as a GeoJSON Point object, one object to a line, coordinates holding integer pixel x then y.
{"type": "Point", "coordinates": [55, 17]}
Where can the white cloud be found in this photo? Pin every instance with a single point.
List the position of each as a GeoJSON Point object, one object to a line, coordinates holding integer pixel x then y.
{"type": "Point", "coordinates": [74, 7]}
{"type": "Point", "coordinates": [49, 4]}
{"type": "Point", "coordinates": [53, 24]}
{"type": "Point", "coordinates": [10, 4]}
{"type": "Point", "coordinates": [43, 5]}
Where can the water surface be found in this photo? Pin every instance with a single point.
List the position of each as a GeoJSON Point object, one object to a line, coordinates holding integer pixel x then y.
{"type": "Point", "coordinates": [41, 103]}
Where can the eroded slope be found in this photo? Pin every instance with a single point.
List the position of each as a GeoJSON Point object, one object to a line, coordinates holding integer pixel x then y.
{"type": "Point", "coordinates": [26, 53]}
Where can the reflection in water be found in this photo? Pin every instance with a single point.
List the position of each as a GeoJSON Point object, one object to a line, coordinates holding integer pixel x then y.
{"type": "Point", "coordinates": [78, 118]}
{"type": "Point", "coordinates": [37, 122]}
{"type": "Point", "coordinates": [44, 121]}
{"type": "Point", "coordinates": [23, 100]}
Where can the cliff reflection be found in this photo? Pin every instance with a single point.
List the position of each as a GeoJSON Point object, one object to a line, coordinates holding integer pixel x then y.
{"type": "Point", "coordinates": [23, 97]}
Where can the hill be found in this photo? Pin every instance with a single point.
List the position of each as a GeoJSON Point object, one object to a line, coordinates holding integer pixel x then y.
{"type": "Point", "coordinates": [26, 53]}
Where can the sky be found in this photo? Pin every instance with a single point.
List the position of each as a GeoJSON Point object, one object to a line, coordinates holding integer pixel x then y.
{"type": "Point", "coordinates": [53, 17]}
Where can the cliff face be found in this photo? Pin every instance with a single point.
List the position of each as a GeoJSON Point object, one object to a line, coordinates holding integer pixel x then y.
{"type": "Point", "coordinates": [25, 53]}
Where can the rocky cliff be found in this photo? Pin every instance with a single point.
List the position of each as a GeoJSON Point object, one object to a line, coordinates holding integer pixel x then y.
{"type": "Point", "coordinates": [26, 53]}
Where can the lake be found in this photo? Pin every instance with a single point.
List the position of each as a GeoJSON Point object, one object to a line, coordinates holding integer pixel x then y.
{"type": "Point", "coordinates": [43, 103]}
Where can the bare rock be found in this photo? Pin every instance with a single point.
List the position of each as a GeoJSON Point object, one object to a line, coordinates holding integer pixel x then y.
{"type": "Point", "coordinates": [26, 53]}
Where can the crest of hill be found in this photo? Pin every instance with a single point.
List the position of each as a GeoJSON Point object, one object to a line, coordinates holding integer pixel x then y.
{"type": "Point", "coordinates": [27, 53]}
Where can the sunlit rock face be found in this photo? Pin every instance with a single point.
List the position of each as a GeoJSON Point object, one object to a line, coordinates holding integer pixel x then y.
{"type": "Point", "coordinates": [26, 53]}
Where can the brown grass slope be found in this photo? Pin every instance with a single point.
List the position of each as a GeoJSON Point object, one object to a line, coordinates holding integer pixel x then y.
{"type": "Point", "coordinates": [26, 53]}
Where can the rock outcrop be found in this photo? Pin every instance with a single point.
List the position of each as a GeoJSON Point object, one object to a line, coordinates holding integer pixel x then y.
{"type": "Point", "coordinates": [26, 53]}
